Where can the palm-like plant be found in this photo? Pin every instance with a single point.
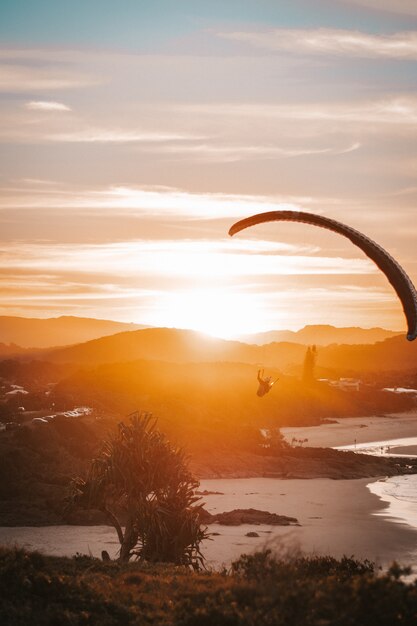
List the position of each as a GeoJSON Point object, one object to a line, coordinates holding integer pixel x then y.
{"type": "Point", "coordinates": [140, 477]}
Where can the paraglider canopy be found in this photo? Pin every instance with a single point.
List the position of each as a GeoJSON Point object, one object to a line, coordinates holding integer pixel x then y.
{"type": "Point", "coordinates": [386, 263]}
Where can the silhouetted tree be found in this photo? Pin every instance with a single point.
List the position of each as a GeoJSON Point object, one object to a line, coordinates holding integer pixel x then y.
{"type": "Point", "coordinates": [309, 365]}
{"type": "Point", "coordinates": [139, 477]}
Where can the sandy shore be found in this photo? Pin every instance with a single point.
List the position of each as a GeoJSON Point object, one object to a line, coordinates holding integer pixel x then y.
{"type": "Point", "coordinates": [336, 518]}
{"type": "Point", "coordinates": [361, 429]}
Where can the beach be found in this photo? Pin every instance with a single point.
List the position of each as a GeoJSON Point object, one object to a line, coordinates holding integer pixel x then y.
{"type": "Point", "coordinates": [350, 431]}
{"type": "Point", "coordinates": [369, 518]}
{"type": "Point", "coordinates": [336, 517]}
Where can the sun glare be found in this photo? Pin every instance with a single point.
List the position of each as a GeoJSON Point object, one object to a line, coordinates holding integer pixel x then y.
{"type": "Point", "coordinates": [216, 312]}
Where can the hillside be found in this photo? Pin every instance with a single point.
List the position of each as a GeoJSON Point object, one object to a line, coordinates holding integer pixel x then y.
{"type": "Point", "coordinates": [215, 400]}
{"type": "Point", "coordinates": [11, 350]}
{"type": "Point", "coordinates": [392, 355]}
{"type": "Point", "coordinates": [322, 335]}
{"type": "Point", "coordinates": [57, 331]}
{"type": "Point", "coordinates": [68, 330]}
{"type": "Point", "coordinates": [176, 346]}
{"type": "Point", "coordinates": [185, 346]}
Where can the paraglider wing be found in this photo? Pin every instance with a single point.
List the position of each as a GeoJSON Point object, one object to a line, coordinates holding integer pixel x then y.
{"type": "Point", "coordinates": [392, 270]}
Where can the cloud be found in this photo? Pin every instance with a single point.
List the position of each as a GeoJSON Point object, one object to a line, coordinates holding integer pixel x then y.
{"type": "Point", "coordinates": [38, 182]}
{"type": "Point", "coordinates": [331, 42]}
{"type": "Point", "coordinates": [108, 135]}
{"type": "Point", "coordinates": [400, 7]}
{"type": "Point", "coordinates": [401, 110]}
{"type": "Point", "coordinates": [40, 105]}
{"type": "Point", "coordinates": [19, 78]}
{"type": "Point", "coordinates": [25, 128]}
{"type": "Point", "coordinates": [178, 258]}
{"type": "Point", "coordinates": [144, 201]}
{"type": "Point", "coordinates": [229, 154]}
{"type": "Point", "coordinates": [175, 282]}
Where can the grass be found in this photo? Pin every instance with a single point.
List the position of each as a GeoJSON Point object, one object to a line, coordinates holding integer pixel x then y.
{"type": "Point", "coordinates": [259, 589]}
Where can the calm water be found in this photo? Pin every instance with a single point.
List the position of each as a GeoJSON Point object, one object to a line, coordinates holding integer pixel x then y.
{"type": "Point", "coordinates": [400, 494]}
{"type": "Point", "coordinates": [335, 516]}
{"type": "Point", "coordinates": [405, 447]}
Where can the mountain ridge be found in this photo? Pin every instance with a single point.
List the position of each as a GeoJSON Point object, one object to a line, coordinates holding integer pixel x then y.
{"type": "Point", "coordinates": [184, 346]}
{"type": "Point", "coordinates": [323, 334]}
{"type": "Point", "coordinates": [38, 333]}
{"type": "Point", "coordinates": [66, 330]}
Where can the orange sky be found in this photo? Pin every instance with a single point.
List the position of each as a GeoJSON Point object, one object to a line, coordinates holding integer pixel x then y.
{"type": "Point", "coordinates": [123, 164]}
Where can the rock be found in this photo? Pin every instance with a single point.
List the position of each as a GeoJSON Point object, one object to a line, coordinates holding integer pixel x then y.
{"type": "Point", "coordinates": [252, 534]}
{"type": "Point", "coordinates": [205, 517]}
{"type": "Point", "coordinates": [246, 516]}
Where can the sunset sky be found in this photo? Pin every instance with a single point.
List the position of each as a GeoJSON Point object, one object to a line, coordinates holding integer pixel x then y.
{"type": "Point", "coordinates": [133, 135]}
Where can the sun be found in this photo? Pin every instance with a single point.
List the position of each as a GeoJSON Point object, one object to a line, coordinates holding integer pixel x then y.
{"type": "Point", "coordinates": [219, 312]}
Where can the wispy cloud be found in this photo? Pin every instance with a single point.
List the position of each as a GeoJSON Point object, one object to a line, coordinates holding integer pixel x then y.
{"type": "Point", "coordinates": [22, 128]}
{"type": "Point", "coordinates": [38, 182]}
{"type": "Point", "coordinates": [145, 201]}
{"type": "Point", "coordinates": [45, 105]}
{"type": "Point", "coordinates": [179, 258]}
{"type": "Point", "coordinates": [401, 110]}
{"type": "Point", "coordinates": [19, 78]}
{"type": "Point", "coordinates": [331, 42]}
{"type": "Point", "coordinates": [186, 283]}
{"type": "Point", "coordinates": [103, 135]}
{"type": "Point", "coordinates": [229, 154]}
{"type": "Point", "coordinates": [399, 7]}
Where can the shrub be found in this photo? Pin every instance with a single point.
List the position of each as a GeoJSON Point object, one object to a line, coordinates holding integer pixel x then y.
{"type": "Point", "coordinates": [141, 478]}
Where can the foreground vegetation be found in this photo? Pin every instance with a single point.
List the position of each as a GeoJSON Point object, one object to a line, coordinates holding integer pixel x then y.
{"type": "Point", "coordinates": [141, 480]}
{"type": "Point", "coordinates": [259, 589]}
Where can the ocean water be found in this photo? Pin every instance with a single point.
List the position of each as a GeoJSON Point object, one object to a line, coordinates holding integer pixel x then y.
{"type": "Point", "coordinates": [404, 447]}
{"type": "Point", "coordinates": [398, 492]}
{"type": "Point", "coordinates": [335, 516]}
{"type": "Point", "coordinates": [400, 495]}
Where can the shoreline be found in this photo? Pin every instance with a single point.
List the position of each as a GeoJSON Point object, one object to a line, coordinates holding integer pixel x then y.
{"type": "Point", "coordinates": [336, 518]}
{"type": "Point", "coordinates": [346, 431]}
{"type": "Point", "coordinates": [400, 497]}
{"type": "Point", "coordinates": [340, 511]}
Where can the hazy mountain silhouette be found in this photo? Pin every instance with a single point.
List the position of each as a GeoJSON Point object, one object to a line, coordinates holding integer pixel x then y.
{"type": "Point", "coordinates": [57, 331]}
{"type": "Point", "coordinates": [322, 335]}
{"type": "Point", "coordinates": [175, 346]}
{"type": "Point", "coordinates": [394, 354]}
{"type": "Point", "coordinates": [185, 346]}
{"type": "Point", "coordinates": [68, 330]}
{"type": "Point", "coordinates": [10, 350]}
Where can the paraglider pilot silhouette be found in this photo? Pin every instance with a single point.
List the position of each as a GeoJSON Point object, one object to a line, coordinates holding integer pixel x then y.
{"type": "Point", "coordinates": [265, 384]}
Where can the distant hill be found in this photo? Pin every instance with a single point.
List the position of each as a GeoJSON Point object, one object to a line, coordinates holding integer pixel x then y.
{"type": "Point", "coordinates": [57, 331]}
{"type": "Point", "coordinates": [61, 331]}
{"type": "Point", "coordinates": [175, 346]}
{"type": "Point", "coordinates": [392, 355]}
{"type": "Point", "coordinates": [186, 346]}
{"type": "Point", "coordinates": [10, 350]}
{"type": "Point", "coordinates": [322, 335]}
